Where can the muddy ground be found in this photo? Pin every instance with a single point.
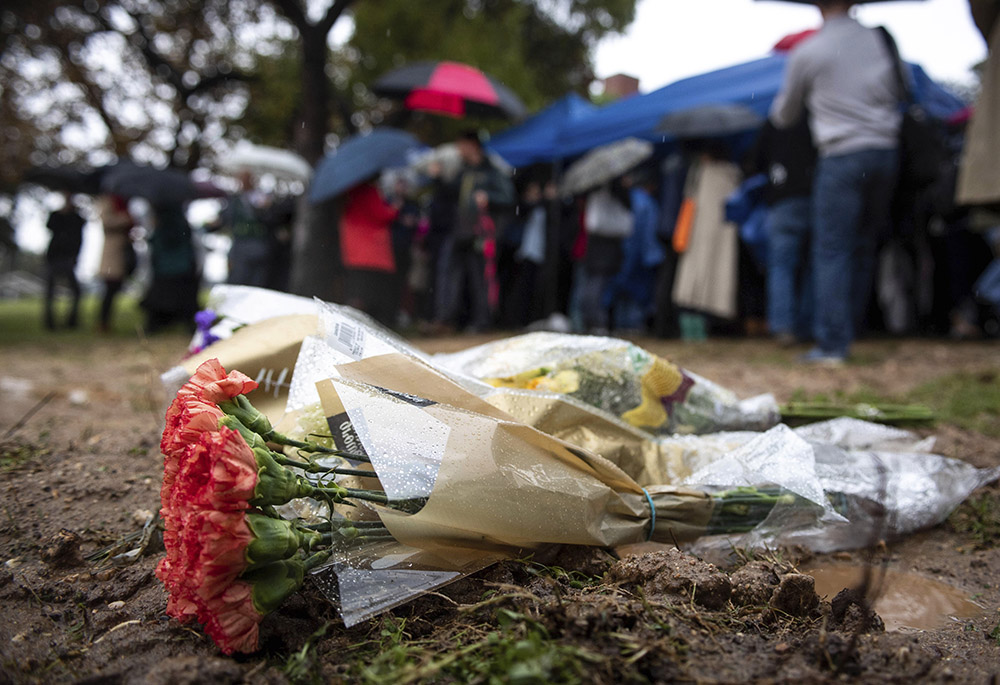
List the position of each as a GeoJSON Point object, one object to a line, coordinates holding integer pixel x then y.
{"type": "Point", "coordinates": [84, 470]}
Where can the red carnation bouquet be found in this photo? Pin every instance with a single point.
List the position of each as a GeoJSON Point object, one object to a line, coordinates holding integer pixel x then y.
{"type": "Point", "coordinates": [231, 559]}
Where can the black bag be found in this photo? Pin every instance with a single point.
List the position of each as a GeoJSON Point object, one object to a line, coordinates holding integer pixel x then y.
{"type": "Point", "coordinates": [922, 151]}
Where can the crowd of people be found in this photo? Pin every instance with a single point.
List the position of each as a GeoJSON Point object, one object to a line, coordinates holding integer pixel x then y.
{"type": "Point", "coordinates": [849, 243]}
{"type": "Point", "coordinates": [832, 239]}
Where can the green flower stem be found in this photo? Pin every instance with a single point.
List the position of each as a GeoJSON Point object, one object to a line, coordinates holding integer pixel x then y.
{"type": "Point", "coordinates": [742, 509]}
{"type": "Point", "coordinates": [316, 559]}
{"type": "Point", "coordinates": [369, 495]}
{"type": "Point", "coordinates": [338, 493]}
{"type": "Point", "coordinates": [409, 506]}
{"type": "Point", "coordinates": [275, 539]}
{"type": "Point", "coordinates": [240, 408]}
{"type": "Point", "coordinates": [343, 529]}
{"type": "Point", "coordinates": [364, 537]}
{"type": "Point", "coordinates": [274, 582]}
{"type": "Point", "coordinates": [343, 523]}
{"type": "Point", "coordinates": [311, 467]}
{"type": "Point", "coordinates": [882, 413]}
{"type": "Point", "coordinates": [269, 510]}
{"type": "Point", "coordinates": [280, 439]}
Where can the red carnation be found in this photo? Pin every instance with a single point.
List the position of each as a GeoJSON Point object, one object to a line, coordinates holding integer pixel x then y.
{"type": "Point", "coordinates": [206, 552]}
{"type": "Point", "coordinates": [186, 418]}
{"type": "Point", "coordinates": [211, 382]}
{"type": "Point", "coordinates": [195, 411]}
{"type": "Point", "coordinates": [232, 620]}
{"type": "Point", "coordinates": [206, 388]}
{"type": "Point", "coordinates": [219, 471]}
{"type": "Point", "coordinates": [171, 571]}
{"type": "Point", "coordinates": [220, 551]}
{"type": "Point", "coordinates": [212, 551]}
{"type": "Point", "coordinates": [181, 602]}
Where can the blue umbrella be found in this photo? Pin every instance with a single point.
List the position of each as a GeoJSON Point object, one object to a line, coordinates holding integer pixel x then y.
{"type": "Point", "coordinates": [358, 159]}
{"type": "Point", "coordinates": [752, 84]}
{"type": "Point", "coordinates": [537, 138]}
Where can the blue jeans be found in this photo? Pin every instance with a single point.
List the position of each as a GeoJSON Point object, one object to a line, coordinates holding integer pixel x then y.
{"type": "Point", "coordinates": [789, 278]}
{"type": "Point", "coordinates": [852, 198]}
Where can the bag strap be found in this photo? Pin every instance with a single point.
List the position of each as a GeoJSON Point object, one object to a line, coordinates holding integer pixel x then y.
{"type": "Point", "coordinates": [906, 94]}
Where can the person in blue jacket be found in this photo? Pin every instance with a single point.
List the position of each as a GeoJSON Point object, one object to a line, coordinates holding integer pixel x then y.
{"type": "Point", "coordinates": [632, 290]}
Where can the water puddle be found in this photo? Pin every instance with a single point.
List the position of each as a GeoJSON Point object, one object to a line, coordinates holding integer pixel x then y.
{"type": "Point", "coordinates": [907, 601]}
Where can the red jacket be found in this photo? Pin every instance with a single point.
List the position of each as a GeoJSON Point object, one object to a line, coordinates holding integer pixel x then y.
{"type": "Point", "coordinates": [365, 238]}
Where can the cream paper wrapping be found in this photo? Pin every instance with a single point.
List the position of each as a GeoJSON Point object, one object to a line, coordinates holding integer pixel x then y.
{"type": "Point", "coordinates": [265, 351]}
{"type": "Point", "coordinates": [504, 486]}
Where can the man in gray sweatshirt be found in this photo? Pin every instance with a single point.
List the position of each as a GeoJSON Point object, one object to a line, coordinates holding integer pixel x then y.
{"type": "Point", "coordinates": [844, 77]}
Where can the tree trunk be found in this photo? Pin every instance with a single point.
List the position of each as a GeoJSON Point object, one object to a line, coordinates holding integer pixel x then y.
{"type": "Point", "coordinates": [315, 253]}
{"type": "Point", "coordinates": [310, 137]}
{"type": "Point", "coordinates": [316, 266]}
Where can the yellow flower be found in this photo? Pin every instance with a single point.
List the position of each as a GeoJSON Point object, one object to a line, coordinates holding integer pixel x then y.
{"type": "Point", "coordinates": [565, 382]}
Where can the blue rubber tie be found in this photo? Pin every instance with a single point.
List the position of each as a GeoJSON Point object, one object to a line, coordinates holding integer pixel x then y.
{"type": "Point", "coordinates": [652, 515]}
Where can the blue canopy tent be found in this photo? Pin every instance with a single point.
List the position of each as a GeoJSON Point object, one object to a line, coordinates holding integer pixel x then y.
{"type": "Point", "coordinates": [752, 84]}
{"type": "Point", "coordinates": [537, 138]}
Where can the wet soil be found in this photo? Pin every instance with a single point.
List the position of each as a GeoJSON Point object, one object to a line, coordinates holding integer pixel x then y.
{"type": "Point", "coordinates": [83, 470]}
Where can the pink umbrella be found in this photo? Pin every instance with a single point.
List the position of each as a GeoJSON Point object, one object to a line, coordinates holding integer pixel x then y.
{"type": "Point", "coordinates": [449, 88]}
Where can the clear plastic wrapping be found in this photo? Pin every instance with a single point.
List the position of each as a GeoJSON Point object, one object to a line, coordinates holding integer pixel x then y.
{"type": "Point", "coordinates": [615, 376]}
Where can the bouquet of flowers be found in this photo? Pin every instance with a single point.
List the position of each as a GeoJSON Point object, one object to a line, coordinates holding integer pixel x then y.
{"type": "Point", "coordinates": [443, 485]}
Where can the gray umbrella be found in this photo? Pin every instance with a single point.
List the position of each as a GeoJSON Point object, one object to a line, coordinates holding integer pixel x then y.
{"type": "Point", "coordinates": [605, 163]}
{"type": "Point", "coordinates": [710, 120]}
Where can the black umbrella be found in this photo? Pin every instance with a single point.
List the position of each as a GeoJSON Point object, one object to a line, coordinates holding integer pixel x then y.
{"type": "Point", "coordinates": [449, 88]}
{"type": "Point", "coordinates": [708, 121]}
{"type": "Point", "coordinates": [162, 187]}
{"type": "Point", "coordinates": [358, 159]}
{"type": "Point", "coordinates": [67, 179]}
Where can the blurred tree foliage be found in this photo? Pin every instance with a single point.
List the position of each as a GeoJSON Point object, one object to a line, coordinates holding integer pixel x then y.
{"type": "Point", "coordinates": [159, 80]}
{"type": "Point", "coordinates": [541, 49]}
{"type": "Point", "coordinates": [274, 92]}
{"type": "Point", "coordinates": [164, 80]}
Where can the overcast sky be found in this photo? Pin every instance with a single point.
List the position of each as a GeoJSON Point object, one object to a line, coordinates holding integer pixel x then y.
{"type": "Point", "coordinates": [671, 39]}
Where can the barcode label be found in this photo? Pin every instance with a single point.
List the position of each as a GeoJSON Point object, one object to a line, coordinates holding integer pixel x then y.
{"type": "Point", "coordinates": [349, 339]}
